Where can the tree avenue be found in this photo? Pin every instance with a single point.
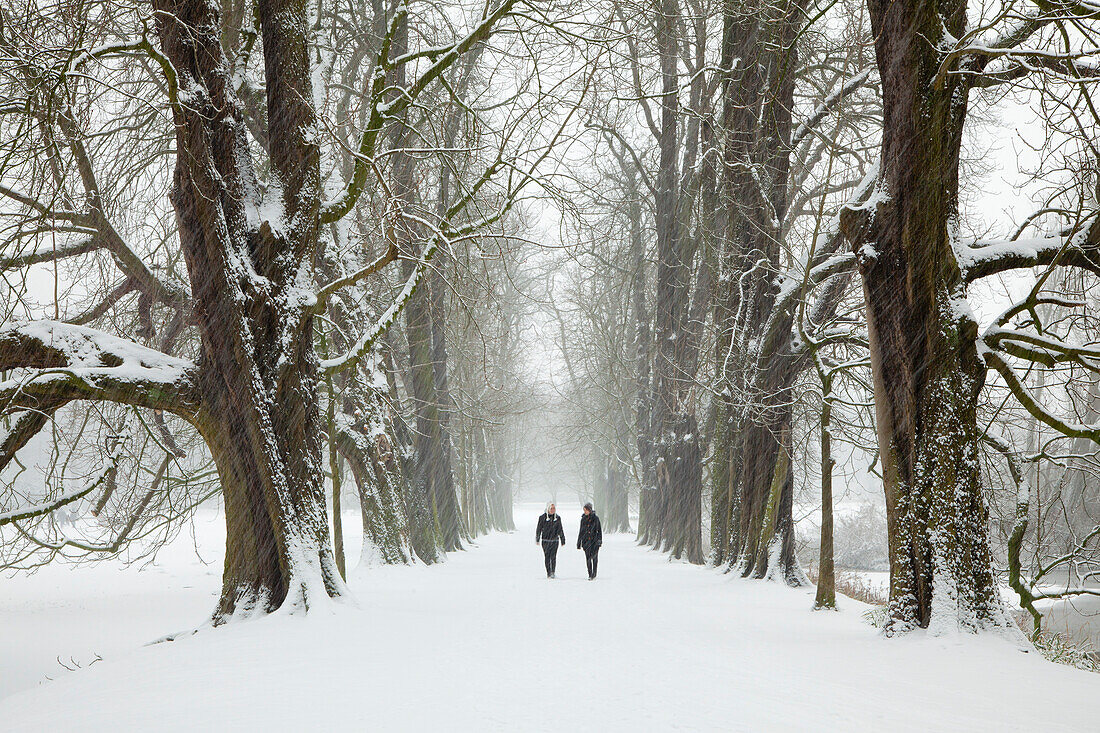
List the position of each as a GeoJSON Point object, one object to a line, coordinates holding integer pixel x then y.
{"type": "Point", "coordinates": [718, 266]}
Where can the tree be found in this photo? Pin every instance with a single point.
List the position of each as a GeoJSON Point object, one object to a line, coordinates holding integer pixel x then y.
{"type": "Point", "coordinates": [251, 259]}
{"type": "Point", "coordinates": [928, 362]}
{"type": "Point", "coordinates": [766, 273]}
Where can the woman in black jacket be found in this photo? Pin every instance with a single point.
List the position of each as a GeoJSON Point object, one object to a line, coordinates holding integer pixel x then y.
{"type": "Point", "coordinates": [548, 532]}
{"type": "Point", "coordinates": [589, 539]}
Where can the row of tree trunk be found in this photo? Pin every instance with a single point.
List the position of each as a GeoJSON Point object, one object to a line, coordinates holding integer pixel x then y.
{"type": "Point", "coordinates": [752, 529]}
{"type": "Point", "coordinates": [926, 367]}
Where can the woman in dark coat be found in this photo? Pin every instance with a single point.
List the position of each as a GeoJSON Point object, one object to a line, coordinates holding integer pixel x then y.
{"type": "Point", "coordinates": [589, 539]}
{"type": "Point", "coordinates": [548, 533]}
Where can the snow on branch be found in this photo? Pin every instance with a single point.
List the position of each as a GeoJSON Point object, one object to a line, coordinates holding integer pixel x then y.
{"type": "Point", "coordinates": [972, 53]}
{"type": "Point", "coordinates": [327, 291]}
{"type": "Point", "coordinates": [64, 362]}
{"type": "Point", "coordinates": [830, 102]}
{"type": "Point", "coordinates": [1042, 349]}
{"type": "Point", "coordinates": [822, 264]}
{"type": "Point", "coordinates": [366, 341]}
{"type": "Point", "coordinates": [1080, 248]}
{"type": "Point", "coordinates": [51, 254]}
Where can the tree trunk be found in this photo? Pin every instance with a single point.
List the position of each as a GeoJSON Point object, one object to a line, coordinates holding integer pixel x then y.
{"type": "Point", "coordinates": [427, 441]}
{"type": "Point", "coordinates": [752, 524]}
{"type": "Point", "coordinates": [674, 512]}
{"type": "Point", "coordinates": [643, 397]}
{"type": "Point", "coordinates": [500, 499]}
{"type": "Point", "coordinates": [616, 504]}
{"type": "Point", "coordinates": [927, 374]}
{"type": "Point", "coordinates": [336, 470]}
{"type": "Point", "coordinates": [446, 495]}
{"type": "Point", "coordinates": [376, 466]}
{"type": "Point", "coordinates": [260, 404]}
{"type": "Point", "coordinates": [826, 575]}
{"type": "Point", "coordinates": [433, 513]}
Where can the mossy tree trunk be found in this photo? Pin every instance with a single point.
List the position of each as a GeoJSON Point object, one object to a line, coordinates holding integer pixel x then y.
{"type": "Point", "coordinates": [927, 373]}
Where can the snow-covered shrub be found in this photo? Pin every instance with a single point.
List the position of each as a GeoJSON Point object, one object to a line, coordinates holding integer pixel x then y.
{"type": "Point", "coordinates": [875, 616]}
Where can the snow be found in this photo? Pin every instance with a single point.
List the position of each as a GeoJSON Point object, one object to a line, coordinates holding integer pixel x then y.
{"type": "Point", "coordinates": [85, 348]}
{"type": "Point", "coordinates": [971, 255]}
{"type": "Point", "coordinates": [1077, 618]}
{"type": "Point", "coordinates": [485, 642]}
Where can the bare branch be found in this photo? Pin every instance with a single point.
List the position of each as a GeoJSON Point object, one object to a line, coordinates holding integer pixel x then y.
{"type": "Point", "coordinates": [380, 111]}
{"type": "Point", "coordinates": [45, 507]}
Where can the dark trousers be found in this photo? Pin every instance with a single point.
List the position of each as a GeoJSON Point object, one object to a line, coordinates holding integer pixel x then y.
{"type": "Point", "coordinates": [550, 551]}
{"type": "Point", "coordinates": [591, 557]}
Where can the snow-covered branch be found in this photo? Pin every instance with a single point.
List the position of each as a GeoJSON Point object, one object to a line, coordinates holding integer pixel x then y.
{"type": "Point", "coordinates": [366, 341]}
{"type": "Point", "coordinates": [1079, 249]}
{"type": "Point", "coordinates": [45, 507]}
{"type": "Point", "coordinates": [36, 256]}
{"type": "Point", "coordinates": [58, 362]}
{"type": "Point", "coordinates": [350, 279]}
{"type": "Point", "coordinates": [823, 264]}
{"type": "Point", "coordinates": [1045, 350]}
{"type": "Point", "coordinates": [827, 105]}
{"type": "Point", "coordinates": [972, 53]}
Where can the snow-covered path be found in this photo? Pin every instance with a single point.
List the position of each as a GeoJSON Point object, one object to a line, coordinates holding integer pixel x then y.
{"type": "Point", "coordinates": [486, 642]}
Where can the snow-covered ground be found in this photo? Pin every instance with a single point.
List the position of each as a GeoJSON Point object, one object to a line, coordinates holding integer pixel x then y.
{"type": "Point", "coordinates": [485, 642]}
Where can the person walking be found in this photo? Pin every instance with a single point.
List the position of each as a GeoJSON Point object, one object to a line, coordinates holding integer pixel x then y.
{"type": "Point", "coordinates": [548, 532]}
{"type": "Point", "coordinates": [589, 539]}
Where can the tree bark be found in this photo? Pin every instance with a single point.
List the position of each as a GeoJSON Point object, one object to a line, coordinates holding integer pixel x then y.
{"type": "Point", "coordinates": [259, 388]}
{"type": "Point", "coordinates": [927, 373]}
